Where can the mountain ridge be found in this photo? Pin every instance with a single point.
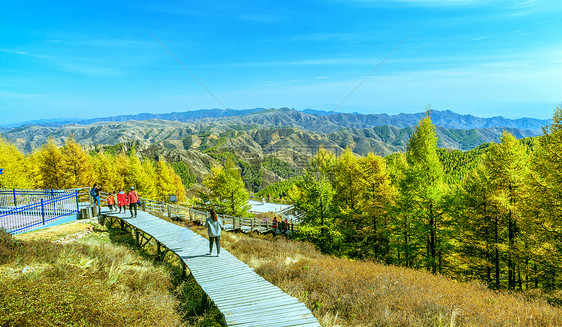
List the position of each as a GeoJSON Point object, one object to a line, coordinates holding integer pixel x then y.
{"type": "Point", "coordinates": [310, 117]}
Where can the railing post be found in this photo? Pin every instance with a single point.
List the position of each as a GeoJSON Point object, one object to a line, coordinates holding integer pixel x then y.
{"type": "Point", "coordinates": [144, 205]}
{"type": "Point", "coordinates": [43, 211]}
{"type": "Point", "coordinates": [190, 215]}
{"type": "Point", "coordinates": [169, 210]}
{"type": "Point", "coordinates": [77, 202]}
{"type": "Point", "coordinates": [252, 224]}
{"type": "Point", "coordinates": [15, 199]}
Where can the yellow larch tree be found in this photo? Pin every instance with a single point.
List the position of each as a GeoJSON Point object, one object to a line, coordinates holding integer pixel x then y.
{"type": "Point", "coordinates": [50, 169]}
{"type": "Point", "coordinates": [78, 168]}
{"type": "Point", "coordinates": [16, 168]}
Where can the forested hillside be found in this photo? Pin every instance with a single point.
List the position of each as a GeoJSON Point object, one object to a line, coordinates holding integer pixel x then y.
{"type": "Point", "coordinates": [70, 166]}
{"type": "Point", "coordinates": [490, 214]}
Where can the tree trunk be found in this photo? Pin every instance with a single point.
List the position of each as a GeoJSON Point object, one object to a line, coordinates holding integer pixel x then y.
{"type": "Point", "coordinates": [432, 236]}
{"type": "Point", "coordinates": [497, 254]}
{"type": "Point", "coordinates": [376, 238]}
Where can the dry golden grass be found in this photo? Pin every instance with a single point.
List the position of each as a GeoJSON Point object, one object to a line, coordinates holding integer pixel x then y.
{"type": "Point", "coordinates": [97, 278]}
{"type": "Point", "coordinates": [342, 292]}
{"type": "Point", "coordinates": [57, 232]}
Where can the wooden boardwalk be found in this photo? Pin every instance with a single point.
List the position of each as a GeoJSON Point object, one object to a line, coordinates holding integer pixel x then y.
{"type": "Point", "coordinates": [243, 297]}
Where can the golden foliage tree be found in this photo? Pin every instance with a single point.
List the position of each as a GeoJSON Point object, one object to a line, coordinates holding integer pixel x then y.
{"type": "Point", "coordinates": [77, 165]}
{"type": "Point", "coordinates": [226, 190]}
{"type": "Point", "coordinates": [50, 169]}
{"type": "Point", "coordinates": [16, 168]}
{"type": "Point", "coordinates": [165, 184]}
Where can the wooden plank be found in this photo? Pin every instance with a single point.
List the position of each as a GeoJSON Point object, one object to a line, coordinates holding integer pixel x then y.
{"type": "Point", "coordinates": [266, 303]}
{"type": "Point", "coordinates": [249, 288]}
{"type": "Point", "coordinates": [245, 297]}
{"type": "Point", "coordinates": [249, 311]}
{"type": "Point", "coordinates": [257, 298]}
{"type": "Point", "coordinates": [205, 270]}
{"type": "Point", "coordinates": [227, 274]}
{"type": "Point", "coordinates": [290, 317]}
{"type": "Point", "coordinates": [232, 283]}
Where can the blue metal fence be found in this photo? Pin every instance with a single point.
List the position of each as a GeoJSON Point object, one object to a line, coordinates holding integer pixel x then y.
{"type": "Point", "coordinates": [22, 210]}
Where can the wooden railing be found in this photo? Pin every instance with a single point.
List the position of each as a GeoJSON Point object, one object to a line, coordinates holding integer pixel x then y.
{"type": "Point", "coordinates": [187, 213]}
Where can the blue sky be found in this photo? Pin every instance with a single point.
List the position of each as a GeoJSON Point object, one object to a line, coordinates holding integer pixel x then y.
{"type": "Point", "coordinates": [99, 58]}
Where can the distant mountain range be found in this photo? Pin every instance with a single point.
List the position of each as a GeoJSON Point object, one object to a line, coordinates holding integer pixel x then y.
{"type": "Point", "coordinates": [198, 138]}
{"type": "Point", "coordinates": [177, 116]}
{"type": "Point", "coordinates": [382, 134]}
{"type": "Point", "coordinates": [309, 119]}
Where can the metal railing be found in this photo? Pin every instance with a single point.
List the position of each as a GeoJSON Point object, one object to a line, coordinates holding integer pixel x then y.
{"type": "Point", "coordinates": [23, 209]}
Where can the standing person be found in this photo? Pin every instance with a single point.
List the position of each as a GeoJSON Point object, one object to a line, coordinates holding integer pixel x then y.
{"type": "Point", "coordinates": [111, 201]}
{"type": "Point", "coordinates": [266, 222]}
{"type": "Point", "coordinates": [122, 200]}
{"type": "Point", "coordinates": [214, 226]}
{"type": "Point", "coordinates": [95, 193]}
{"type": "Point", "coordinates": [274, 225]}
{"type": "Point", "coordinates": [133, 198]}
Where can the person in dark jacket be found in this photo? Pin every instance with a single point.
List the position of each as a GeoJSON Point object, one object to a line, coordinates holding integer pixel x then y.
{"type": "Point", "coordinates": [95, 193]}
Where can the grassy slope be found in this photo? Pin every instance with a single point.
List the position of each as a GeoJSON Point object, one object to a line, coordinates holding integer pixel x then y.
{"type": "Point", "coordinates": [100, 279]}
{"type": "Point", "coordinates": [356, 293]}
{"type": "Point", "coordinates": [83, 274]}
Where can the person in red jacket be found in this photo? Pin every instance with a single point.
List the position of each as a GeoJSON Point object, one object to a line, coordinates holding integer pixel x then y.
{"type": "Point", "coordinates": [133, 198]}
{"type": "Point", "coordinates": [122, 200]}
{"type": "Point", "coordinates": [111, 201]}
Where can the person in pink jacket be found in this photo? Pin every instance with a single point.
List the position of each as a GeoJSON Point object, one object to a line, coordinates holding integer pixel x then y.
{"type": "Point", "coordinates": [133, 198]}
{"type": "Point", "coordinates": [122, 200]}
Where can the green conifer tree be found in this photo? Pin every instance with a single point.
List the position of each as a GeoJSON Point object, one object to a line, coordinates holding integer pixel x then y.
{"type": "Point", "coordinates": [506, 163]}
{"type": "Point", "coordinates": [545, 206]}
{"type": "Point", "coordinates": [226, 191]}
{"type": "Point", "coordinates": [376, 198]}
{"type": "Point", "coordinates": [422, 189]}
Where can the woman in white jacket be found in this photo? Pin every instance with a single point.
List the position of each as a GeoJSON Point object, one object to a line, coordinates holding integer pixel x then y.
{"type": "Point", "coordinates": [214, 227]}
